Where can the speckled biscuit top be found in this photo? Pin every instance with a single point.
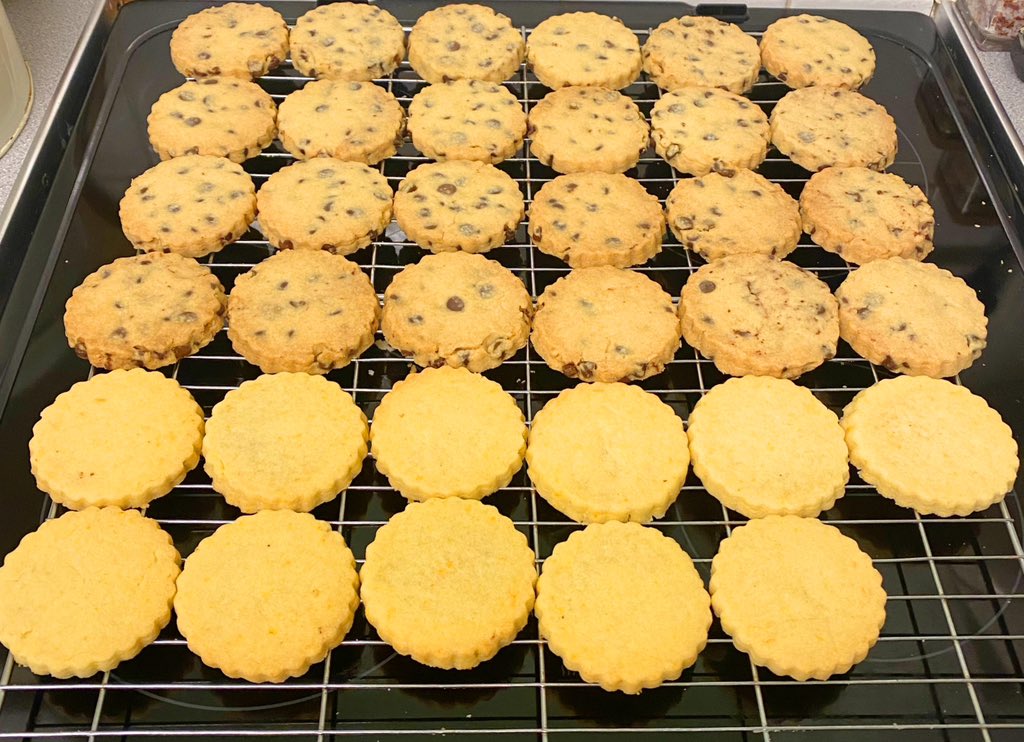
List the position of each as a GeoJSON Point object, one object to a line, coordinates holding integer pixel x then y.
{"type": "Point", "coordinates": [700, 50]}
{"type": "Point", "coordinates": [347, 41]}
{"type": "Point", "coordinates": [235, 40]}
{"type": "Point", "coordinates": [583, 49]}
{"type": "Point", "coordinates": [459, 42]}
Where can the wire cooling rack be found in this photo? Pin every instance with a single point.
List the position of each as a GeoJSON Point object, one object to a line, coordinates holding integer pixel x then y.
{"type": "Point", "coordinates": [947, 666]}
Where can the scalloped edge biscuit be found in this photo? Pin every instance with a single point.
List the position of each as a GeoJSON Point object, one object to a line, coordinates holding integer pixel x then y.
{"type": "Point", "coordinates": [623, 605]}
{"type": "Point", "coordinates": [798, 596]}
{"type": "Point", "coordinates": [931, 445]}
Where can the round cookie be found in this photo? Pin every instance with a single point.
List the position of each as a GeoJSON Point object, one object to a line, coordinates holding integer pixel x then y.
{"type": "Point", "coordinates": [191, 205]}
{"type": "Point", "coordinates": [458, 42]}
{"type": "Point", "coordinates": [457, 309]}
{"type": "Point", "coordinates": [605, 324]}
{"type": "Point", "coordinates": [930, 445]}
{"type": "Point", "coordinates": [862, 215]}
{"type": "Point", "coordinates": [302, 310]}
{"type": "Point", "coordinates": [700, 50]}
{"type": "Point", "coordinates": [356, 121]}
{"type": "Point", "coordinates": [798, 596]}
{"type": "Point", "coordinates": [458, 205]}
{"type": "Point", "coordinates": [326, 204]}
{"type": "Point", "coordinates": [587, 129]}
{"type": "Point", "coordinates": [466, 120]}
{"type": "Point", "coordinates": [717, 215]}
{"type": "Point", "coordinates": [590, 219]}
{"type": "Point", "coordinates": [753, 315]}
{"type": "Point", "coordinates": [215, 116]}
{"type": "Point", "coordinates": [735, 431]}
{"type": "Point", "coordinates": [147, 310]}
{"type": "Point", "coordinates": [911, 317]}
{"type": "Point", "coordinates": [700, 130]}
{"type": "Point", "coordinates": [448, 582]}
{"type": "Point", "coordinates": [601, 452]}
{"type": "Point", "coordinates": [86, 591]}
{"type": "Point", "coordinates": [244, 40]}
{"type": "Point", "coordinates": [583, 49]}
{"type": "Point", "coordinates": [347, 41]}
{"type": "Point", "coordinates": [267, 596]}
{"type": "Point", "coordinates": [830, 127]}
{"type": "Point", "coordinates": [603, 583]}
{"type": "Point", "coordinates": [447, 432]}
{"type": "Point", "coordinates": [804, 50]}
{"type": "Point", "coordinates": [122, 438]}
{"type": "Point", "coordinates": [284, 442]}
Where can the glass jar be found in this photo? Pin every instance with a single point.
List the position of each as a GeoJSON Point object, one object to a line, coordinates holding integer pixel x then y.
{"type": "Point", "coordinates": [994, 23]}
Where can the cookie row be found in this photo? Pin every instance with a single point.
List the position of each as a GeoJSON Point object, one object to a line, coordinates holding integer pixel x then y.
{"type": "Point", "coordinates": [448, 583]}
{"type": "Point", "coordinates": [574, 129]}
{"type": "Point", "coordinates": [350, 41]}
{"type": "Point", "coordinates": [294, 441]}
{"type": "Point", "coordinates": [311, 311]}
{"type": "Point", "coordinates": [196, 204]}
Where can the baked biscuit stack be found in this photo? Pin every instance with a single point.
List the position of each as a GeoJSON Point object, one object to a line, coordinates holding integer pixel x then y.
{"type": "Point", "coordinates": [449, 581]}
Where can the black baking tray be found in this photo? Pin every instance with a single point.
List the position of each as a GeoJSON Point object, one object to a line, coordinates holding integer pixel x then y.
{"type": "Point", "coordinates": [948, 666]}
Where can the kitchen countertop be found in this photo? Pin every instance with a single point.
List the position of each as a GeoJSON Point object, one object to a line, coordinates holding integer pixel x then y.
{"type": "Point", "coordinates": [47, 31]}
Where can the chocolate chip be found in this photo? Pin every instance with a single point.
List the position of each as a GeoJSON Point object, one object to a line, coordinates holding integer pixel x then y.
{"type": "Point", "coordinates": [455, 304]}
{"type": "Point", "coordinates": [807, 137]}
{"type": "Point", "coordinates": [454, 46]}
{"type": "Point", "coordinates": [706, 287]}
{"type": "Point", "coordinates": [193, 121]}
{"type": "Point", "coordinates": [282, 286]}
{"type": "Point", "coordinates": [416, 319]}
{"type": "Point", "coordinates": [486, 291]}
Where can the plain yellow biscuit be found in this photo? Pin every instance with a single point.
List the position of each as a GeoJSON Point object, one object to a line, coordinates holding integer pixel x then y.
{"type": "Point", "coordinates": [600, 452]}
{"type": "Point", "coordinates": [930, 445]}
{"type": "Point", "coordinates": [623, 606]}
{"type": "Point", "coordinates": [86, 591]}
{"type": "Point", "coordinates": [798, 596]}
{"type": "Point", "coordinates": [765, 446]}
{"type": "Point", "coordinates": [267, 596]}
{"type": "Point", "coordinates": [287, 441]}
{"type": "Point", "coordinates": [447, 432]}
{"type": "Point", "coordinates": [121, 438]}
{"type": "Point", "coordinates": [448, 582]}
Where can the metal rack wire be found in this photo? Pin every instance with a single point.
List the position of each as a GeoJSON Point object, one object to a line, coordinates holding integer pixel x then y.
{"type": "Point", "coordinates": [950, 651]}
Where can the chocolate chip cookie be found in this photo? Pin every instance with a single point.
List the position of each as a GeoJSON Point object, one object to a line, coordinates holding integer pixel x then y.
{"type": "Point", "coordinates": [302, 310]}
{"type": "Point", "coordinates": [830, 127]}
{"type": "Point", "coordinates": [466, 120]}
{"type": "Point", "coordinates": [699, 130]}
{"type": "Point", "coordinates": [356, 121]}
{"type": "Point", "coordinates": [862, 215]}
{"type": "Point", "coordinates": [326, 204]}
{"type": "Point", "coordinates": [458, 205]}
{"type": "Point", "coordinates": [753, 315]}
{"type": "Point", "coordinates": [700, 50]}
{"type": "Point", "coordinates": [911, 317]}
{"type": "Point", "coordinates": [235, 40]}
{"type": "Point", "coordinates": [458, 42]}
{"type": "Point", "coordinates": [347, 41]}
{"type": "Point", "coordinates": [587, 129]}
{"type": "Point", "coordinates": [804, 50]}
{"type": "Point", "coordinates": [583, 49]}
{"type": "Point", "coordinates": [212, 116]}
{"type": "Point", "coordinates": [457, 309]}
{"type": "Point", "coordinates": [717, 215]}
{"type": "Point", "coordinates": [191, 205]}
{"type": "Point", "coordinates": [145, 310]}
{"type": "Point", "coordinates": [605, 324]}
{"type": "Point", "coordinates": [589, 219]}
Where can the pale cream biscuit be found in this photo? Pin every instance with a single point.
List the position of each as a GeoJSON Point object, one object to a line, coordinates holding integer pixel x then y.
{"type": "Point", "coordinates": [86, 591]}
{"type": "Point", "coordinates": [347, 41]}
{"type": "Point", "coordinates": [448, 582]}
{"type": "Point", "coordinates": [583, 49]}
{"type": "Point", "coordinates": [798, 596]}
{"type": "Point", "coordinates": [244, 40]}
{"type": "Point", "coordinates": [600, 452]}
{"type": "Point", "coordinates": [765, 446]}
{"type": "Point", "coordinates": [623, 606]}
{"type": "Point", "coordinates": [447, 432]}
{"type": "Point", "coordinates": [121, 438]}
{"type": "Point", "coordinates": [931, 445]}
{"type": "Point", "coordinates": [267, 596]}
{"type": "Point", "coordinates": [287, 441]}
{"type": "Point", "coordinates": [803, 50]}
{"type": "Point", "coordinates": [461, 41]}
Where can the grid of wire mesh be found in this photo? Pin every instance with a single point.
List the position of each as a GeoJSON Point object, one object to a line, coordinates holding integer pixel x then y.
{"type": "Point", "coordinates": [949, 653]}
